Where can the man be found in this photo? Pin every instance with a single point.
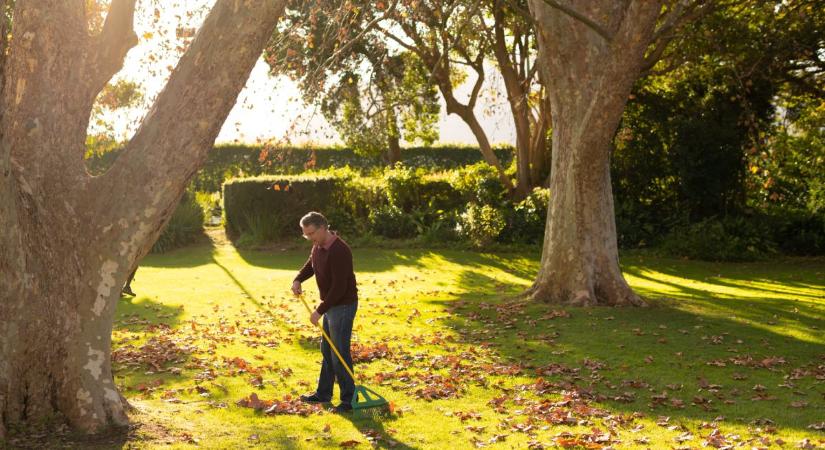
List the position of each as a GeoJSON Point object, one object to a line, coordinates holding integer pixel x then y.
{"type": "Point", "coordinates": [331, 262]}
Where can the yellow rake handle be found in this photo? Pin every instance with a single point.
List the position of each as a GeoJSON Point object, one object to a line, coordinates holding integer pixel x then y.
{"type": "Point", "coordinates": [329, 340]}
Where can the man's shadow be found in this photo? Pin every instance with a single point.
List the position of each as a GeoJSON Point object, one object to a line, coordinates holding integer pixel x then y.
{"type": "Point", "coordinates": [374, 426]}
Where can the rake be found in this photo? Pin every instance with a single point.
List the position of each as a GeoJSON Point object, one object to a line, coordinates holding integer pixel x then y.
{"type": "Point", "coordinates": [365, 402]}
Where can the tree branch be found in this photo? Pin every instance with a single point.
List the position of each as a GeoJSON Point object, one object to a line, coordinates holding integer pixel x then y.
{"type": "Point", "coordinates": [581, 18]}
{"type": "Point", "coordinates": [147, 180]}
{"type": "Point", "coordinates": [372, 24]}
{"type": "Point", "coordinates": [685, 11]}
{"type": "Point", "coordinates": [112, 44]}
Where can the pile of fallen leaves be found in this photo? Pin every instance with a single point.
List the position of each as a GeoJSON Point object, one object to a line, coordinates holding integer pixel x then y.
{"type": "Point", "coordinates": [363, 353]}
{"type": "Point", "coordinates": [155, 353]}
{"type": "Point", "coordinates": [287, 405]}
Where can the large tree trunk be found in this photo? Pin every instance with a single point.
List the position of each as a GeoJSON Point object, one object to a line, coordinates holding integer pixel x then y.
{"type": "Point", "coordinates": [70, 239]}
{"type": "Point", "coordinates": [589, 79]}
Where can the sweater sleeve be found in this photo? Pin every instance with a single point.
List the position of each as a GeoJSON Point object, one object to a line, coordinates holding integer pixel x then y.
{"type": "Point", "coordinates": [341, 269]}
{"type": "Point", "coordinates": [306, 272]}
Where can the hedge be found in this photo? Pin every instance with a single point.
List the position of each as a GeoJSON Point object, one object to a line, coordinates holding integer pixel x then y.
{"type": "Point", "coordinates": [402, 203]}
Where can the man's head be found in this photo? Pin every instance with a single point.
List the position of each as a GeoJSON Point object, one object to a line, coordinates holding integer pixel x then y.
{"type": "Point", "coordinates": [314, 226]}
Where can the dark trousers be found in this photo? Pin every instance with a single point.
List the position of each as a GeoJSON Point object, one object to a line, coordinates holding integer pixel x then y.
{"type": "Point", "coordinates": [338, 325]}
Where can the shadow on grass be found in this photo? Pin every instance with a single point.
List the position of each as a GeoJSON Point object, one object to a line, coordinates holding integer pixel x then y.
{"type": "Point", "coordinates": [375, 427]}
{"type": "Point", "coordinates": [679, 345]}
{"type": "Point", "coordinates": [136, 313]}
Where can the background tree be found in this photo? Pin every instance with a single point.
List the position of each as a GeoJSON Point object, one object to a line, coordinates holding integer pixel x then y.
{"type": "Point", "coordinates": [69, 239]}
{"type": "Point", "coordinates": [513, 39]}
{"type": "Point", "coordinates": [374, 96]}
{"type": "Point", "coordinates": [590, 57]}
{"type": "Point", "coordinates": [448, 35]}
{"type": "Point", "coordinates": [724, 126]}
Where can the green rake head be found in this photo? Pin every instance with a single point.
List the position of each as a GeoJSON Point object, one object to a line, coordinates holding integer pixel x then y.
{"type": "Point", "coordinates": [367, 403]}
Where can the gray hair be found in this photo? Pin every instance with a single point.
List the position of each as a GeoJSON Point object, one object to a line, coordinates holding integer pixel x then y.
{"type": "Point", "coordinates": [314, 218]}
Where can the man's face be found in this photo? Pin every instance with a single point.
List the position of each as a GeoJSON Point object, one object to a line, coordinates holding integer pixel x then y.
{"type": "Point", "coordinates": [314, 234]}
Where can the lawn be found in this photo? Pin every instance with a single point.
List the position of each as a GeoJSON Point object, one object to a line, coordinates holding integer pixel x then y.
{"type": "Point", "coordinates": [727, 354]}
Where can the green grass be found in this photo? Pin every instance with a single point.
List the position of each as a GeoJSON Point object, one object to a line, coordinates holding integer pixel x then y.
{"type": "Point", "coordinates": [714, 334]}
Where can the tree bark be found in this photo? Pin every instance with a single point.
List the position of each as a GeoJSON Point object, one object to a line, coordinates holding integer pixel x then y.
{"type": "Point", "coordinates": [69, 239]}
{"type": "Point", "coordinates": [589, 79]}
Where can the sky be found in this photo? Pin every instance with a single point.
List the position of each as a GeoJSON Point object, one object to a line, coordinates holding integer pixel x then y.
{"type": "Point", "coordinates": [269, 108]}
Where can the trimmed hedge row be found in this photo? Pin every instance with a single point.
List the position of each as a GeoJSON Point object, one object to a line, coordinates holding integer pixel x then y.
{"type": "Point", "coordinates": [229, 161]}
{"type": "Point", "coordinates": [402, 203]}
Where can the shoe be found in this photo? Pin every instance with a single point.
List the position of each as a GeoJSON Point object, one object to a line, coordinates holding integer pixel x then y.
{"type": "Point", "coordinates": [342, 408]}
{"type": "Point", "coordinates": [128, 291]}
{"type": "Point", "coordinates": [313, 398]}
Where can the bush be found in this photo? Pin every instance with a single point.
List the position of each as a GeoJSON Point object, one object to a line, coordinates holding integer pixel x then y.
{"type": "Point", "coordinates": [728, 239]}
{"type": "Point", "coordinates": [392, 222]}
{"type": "Point", "coordinates": [185, 226]}
{"type": "Point", "coordinates": [527, 219]}
{"type": "Point", "coordinates": [480, 224]}
{"type": "Point", "coordinates": [282, 201]}
{"type": "Point", "coordinates": [798, 232]}
{"type": "Point", "coordinates": [479, 183]}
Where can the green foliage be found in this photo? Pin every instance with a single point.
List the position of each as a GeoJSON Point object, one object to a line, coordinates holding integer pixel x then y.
{"type": "Point", "coordinates": [527, 219]}
{"type": "Point", "coordinates": [480, 224]}
{"type": "Point", "coordinates": [234, 161]}
{"type": "Point", "coordinates": [392, 222]}
{"type": "Point", "coordinates": [184, 227]}
{"type": "Point", "coordinates": [727, 239]}
{"type": "Point", "coordinates": [479, 183]}
{"type": "Point", "coordinates": [252, 203]}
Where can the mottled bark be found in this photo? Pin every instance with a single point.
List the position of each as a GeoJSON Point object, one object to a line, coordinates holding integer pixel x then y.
{"type": "Point", "coordinates": [589, 77]}
{"type": "Point", "coordinates": [70, 239]}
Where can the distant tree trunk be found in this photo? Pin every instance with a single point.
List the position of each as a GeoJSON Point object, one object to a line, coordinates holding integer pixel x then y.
{"type": "Point", "coordinates": [69, 239]}
{"type": "Point", "coordinates": [517, 80]}
{"type": "Point", "coordinates": [589, 76]}
{"type": "Point", "coordinates": [468, 116]}
{"type": "Point", "coordinates": [539, 153]}
{"type": "Point", "coordinates": [393, 150]}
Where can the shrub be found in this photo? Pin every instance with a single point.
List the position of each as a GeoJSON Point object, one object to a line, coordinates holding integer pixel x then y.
{"type": "Point", "coordinates": [527, 219]}
{"type": "Point", "coordinates": [282, 200]}
{"type": "Point", "coordinates": [728, 239]}
{"type": "Point", "coordinates": [480, 224]}
{"type": "Point", "coordinates": [392, 222]}
{"type": "Point", "coordinates": [184, 227]}
{"type": "Point", "coordinates": [479, 183]}
{"type": "Point", "coordinates": [798, 232]}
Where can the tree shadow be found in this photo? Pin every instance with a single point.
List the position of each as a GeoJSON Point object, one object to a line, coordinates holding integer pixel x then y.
{"type": "Point", "coordinates": [137, 313]}
{"type": "Point", "coordinates": [678, 346]}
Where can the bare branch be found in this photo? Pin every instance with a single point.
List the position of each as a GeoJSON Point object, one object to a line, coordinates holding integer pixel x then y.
{"type": "Point", "coordinates": [590, 23]}
{"type": "Point", "coordinates": [372, 24]}
{"type": "Point", "coordinates": [112, 44]}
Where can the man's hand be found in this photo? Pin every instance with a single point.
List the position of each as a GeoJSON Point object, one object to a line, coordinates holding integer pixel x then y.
{"type": "Point", "coordinates": [296, 288]}
{"type": "Point", "coordinates": [314, 318]}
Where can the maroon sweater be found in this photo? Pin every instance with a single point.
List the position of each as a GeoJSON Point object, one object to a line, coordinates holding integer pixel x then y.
{"type": "Point", "coordinates": [334, 274]}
